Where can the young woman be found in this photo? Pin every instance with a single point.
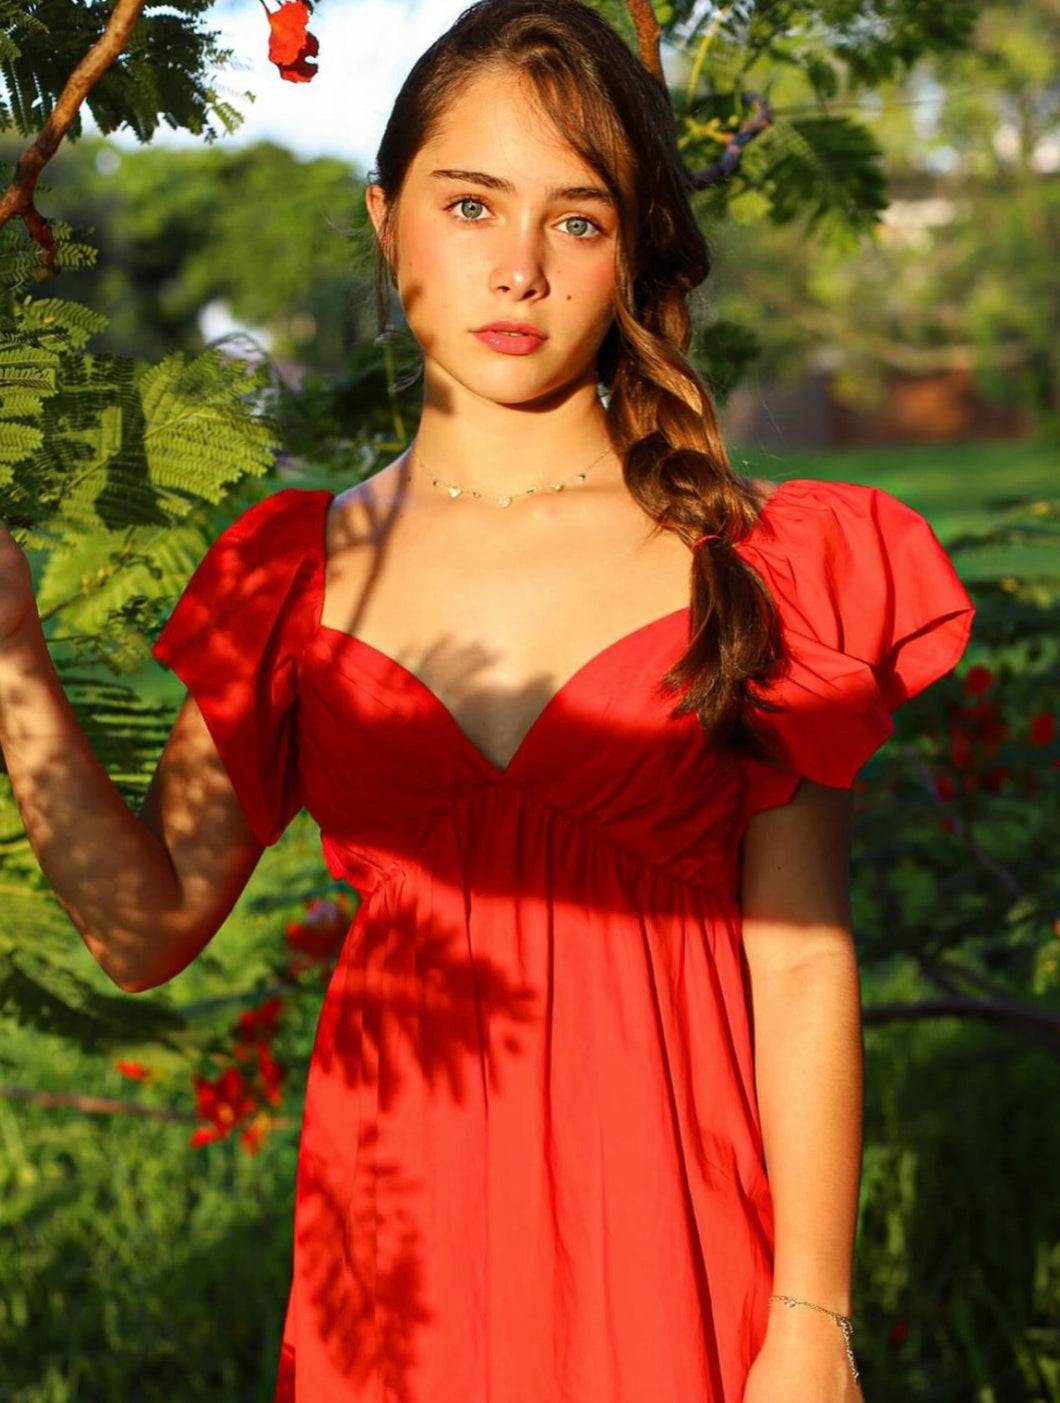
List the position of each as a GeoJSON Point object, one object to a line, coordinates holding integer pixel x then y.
{"type": "Point", "coordinates": [582, 1121]}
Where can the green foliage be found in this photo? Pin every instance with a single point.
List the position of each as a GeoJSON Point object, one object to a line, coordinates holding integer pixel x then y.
{"type": "Point", "coordinates": [109, 469]}
{"type": "Point", "coordinates": [164, 75]}
{"type": "Point", "coordinates": [351, 421]}
{"type": "Point", "coordinates": [109, 444]}
{"type": "Point", "coordinates": [135, 1267]}
{"type": "Point", "coordinates": [873, 39]}
{"type": "Point", "coordinates": [964, 270]}
{"type": "Point", "coordinates": [281, 242]}
{"type": "Point", "coordinates": [958, 1269]}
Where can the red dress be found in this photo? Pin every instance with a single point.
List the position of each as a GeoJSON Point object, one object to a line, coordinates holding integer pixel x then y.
{"type": "Point", "coordinates": [531, 1168]}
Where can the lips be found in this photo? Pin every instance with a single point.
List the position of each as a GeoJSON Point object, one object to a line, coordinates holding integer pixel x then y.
{"type": "Point", "coordinates": [510, 329]}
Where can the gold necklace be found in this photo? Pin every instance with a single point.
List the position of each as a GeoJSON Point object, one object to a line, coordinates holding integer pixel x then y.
{"type": "Point", "coordinates": [505, 501]}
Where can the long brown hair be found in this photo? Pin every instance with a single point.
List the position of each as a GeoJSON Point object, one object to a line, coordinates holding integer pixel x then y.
{"type": "Point", "coordinates": [617, 117]}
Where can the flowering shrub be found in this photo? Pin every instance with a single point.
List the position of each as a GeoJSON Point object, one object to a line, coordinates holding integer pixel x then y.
{"type": "Point", "coordinates": [242, 1092]}
{"type": "Point", "coordinates": [242, 1096]}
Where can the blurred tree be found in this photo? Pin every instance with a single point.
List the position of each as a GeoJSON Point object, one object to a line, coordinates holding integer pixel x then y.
{"type": "Point", "coordinates": [965, 269]}
{"type": "Point", "coordinates": [178, 230]}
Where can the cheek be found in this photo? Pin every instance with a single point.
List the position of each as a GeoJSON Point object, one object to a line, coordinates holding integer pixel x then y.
{"type": "Point", "coordinates": [432, 272]}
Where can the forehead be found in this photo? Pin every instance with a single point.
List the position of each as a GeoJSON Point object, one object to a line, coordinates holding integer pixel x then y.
{"type": "Point", "coordinates": [496, 122]}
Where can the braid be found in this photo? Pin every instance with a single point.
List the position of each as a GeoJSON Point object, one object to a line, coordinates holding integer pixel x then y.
{"type": "Point", "coordinates": [675, 465]}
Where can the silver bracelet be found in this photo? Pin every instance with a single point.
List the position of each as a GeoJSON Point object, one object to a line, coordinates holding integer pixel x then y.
{"type": "Point", "coordinates": [843, 1321]}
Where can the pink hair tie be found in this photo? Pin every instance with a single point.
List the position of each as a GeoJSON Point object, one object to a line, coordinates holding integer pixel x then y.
{"type": "Point", "coordinates": [712, 537]}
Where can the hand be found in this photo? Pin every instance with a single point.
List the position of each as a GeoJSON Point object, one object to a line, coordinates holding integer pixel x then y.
{"type": "Point", "coordinates": [803, 1360]}
{"type": "Point", "coordinates": [18, 607]}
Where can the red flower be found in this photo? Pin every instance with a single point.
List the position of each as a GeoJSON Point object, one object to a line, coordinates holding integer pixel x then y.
{"type": "Point", "coordinates": [259, 1024]}
{"type": "Point", "coordinates": [225, 1101]}
{"type": "Point", "coordinates": [976, 734]}
{"type": "Point", "coordinates": [272, 1074]}
{"type": "Point", "coordinates": [290, 45]}
{"type": "Point", "coordinates": [316, 940]}
{"type": "Point", "coordinates": [899, 1332]}
{"type": "Point", "coordinates": [1043, 728]}
{"type": "Point", "coordinates": [945, 788]}
{"type": "Point", "coordinates": [977, 681]}
{"type": "Point", "coordinates": [995, 777]}
{"type": "Point", "coordinates": [135, 1071]}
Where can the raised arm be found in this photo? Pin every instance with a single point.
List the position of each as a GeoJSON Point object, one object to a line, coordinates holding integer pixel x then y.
{"type": "Point", "coordinates": [145, 892]}
{"type": "Point", "coordinates": [805, 995]}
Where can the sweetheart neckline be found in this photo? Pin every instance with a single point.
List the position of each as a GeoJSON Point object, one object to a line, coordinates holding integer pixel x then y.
{"type": "Point", "coordinates": [497, 771]}
{"type": "Point", "coordinates": [412, 679]}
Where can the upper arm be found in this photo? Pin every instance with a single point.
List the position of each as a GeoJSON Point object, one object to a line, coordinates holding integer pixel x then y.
{"type": "Point", "coordinates": [192, 807]}
{"type": "Point", "coordinates": [795, 877]}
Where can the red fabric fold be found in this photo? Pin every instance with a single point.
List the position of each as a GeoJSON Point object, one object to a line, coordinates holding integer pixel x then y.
{"type": "Point", "coordinates": [234, 639]}
{"type": "Point", "coordinates": [871, 612]}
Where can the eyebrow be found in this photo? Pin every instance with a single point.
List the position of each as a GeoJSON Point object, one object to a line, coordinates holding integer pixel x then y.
{"type": "Point", "coordinates": [494, 182]}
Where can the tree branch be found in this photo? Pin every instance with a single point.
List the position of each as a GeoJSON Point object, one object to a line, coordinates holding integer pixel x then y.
{"type": "Point", "coordinates": [1025, 1017]}
{"type": "Point", "coordinates": [648, 34]}
{"type": "Point", "coordinates": [93, 1105]}
{"type": "Point", "coordinates": [18, 199]}
{"type": "Point", "coordinates": [728, 162]}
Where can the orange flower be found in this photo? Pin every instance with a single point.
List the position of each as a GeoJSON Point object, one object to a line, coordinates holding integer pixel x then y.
{"type": "Point", "coordinates": [290, 44]}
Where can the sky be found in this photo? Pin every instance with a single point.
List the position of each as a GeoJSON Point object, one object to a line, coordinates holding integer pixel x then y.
{"type": "Point", "coordinates": [366, 49]}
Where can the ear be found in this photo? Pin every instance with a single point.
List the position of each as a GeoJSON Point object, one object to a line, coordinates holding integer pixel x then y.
{"type": "Point", "coordinates": [375, 199]}
{"type": "Point", "coordinates": [376, 202]}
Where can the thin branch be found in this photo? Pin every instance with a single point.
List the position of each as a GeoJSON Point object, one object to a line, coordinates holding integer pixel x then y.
{"type": "Point", "coordinates": [17, 200]}
{"type": "Point", "coordinates": [93, 1105]}
{"type": "Point", "coordinates": [648, 36]}
{"type": "Point", "coordinates": [1026, 1017]}
{"type": "Point", "coordinates": [936, 974]}
{"type": "Point", "coordinates": [946, 974]}
{"type": "Point", "coordinates": [244, 997]}
{"type": "Point", "coordinates": [759, 118]}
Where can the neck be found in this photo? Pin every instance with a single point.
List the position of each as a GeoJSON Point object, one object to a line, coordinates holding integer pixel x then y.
{"type": "Point", "coordinates": [504, 450]}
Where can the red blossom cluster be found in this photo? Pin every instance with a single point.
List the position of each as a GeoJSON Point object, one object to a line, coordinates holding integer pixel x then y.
{"type": "Point", "coordinates": [291, 46]}
{"type": "Point", "coordinates": [238, 1097]}
{"type": "Point", "coordinates": [242, 1096]}
{"type": "Point", "coordinates": [977, 732]}
{"type": "Point", "coordinates": [314, 942]}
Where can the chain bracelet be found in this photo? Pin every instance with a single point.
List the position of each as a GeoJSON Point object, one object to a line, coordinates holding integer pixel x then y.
{"type": "Point", "coordinates": [844, 1322]}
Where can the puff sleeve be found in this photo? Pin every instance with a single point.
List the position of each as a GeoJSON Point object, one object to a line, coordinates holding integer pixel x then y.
{"type": "Point", "coordinates": [871, 612]}
{"type": "Point", "coordinates": [235, 637]}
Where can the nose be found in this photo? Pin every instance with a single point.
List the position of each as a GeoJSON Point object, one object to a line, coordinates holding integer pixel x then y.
{"type": "Point", "coordinates": [519, 267]}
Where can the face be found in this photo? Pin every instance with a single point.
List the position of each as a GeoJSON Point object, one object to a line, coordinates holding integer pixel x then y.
{"type": "Point", "coordinates": [499, 221]}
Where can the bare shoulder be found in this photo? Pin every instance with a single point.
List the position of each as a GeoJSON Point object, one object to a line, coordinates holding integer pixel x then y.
{"type": "Point", "coordinates": [360, 514]}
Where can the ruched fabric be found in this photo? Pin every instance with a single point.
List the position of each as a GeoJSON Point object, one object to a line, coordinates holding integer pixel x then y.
{"type": "Point", "coordinates": [871, 613]}
{"type": "Point", "coordinates": [531, 1166]}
